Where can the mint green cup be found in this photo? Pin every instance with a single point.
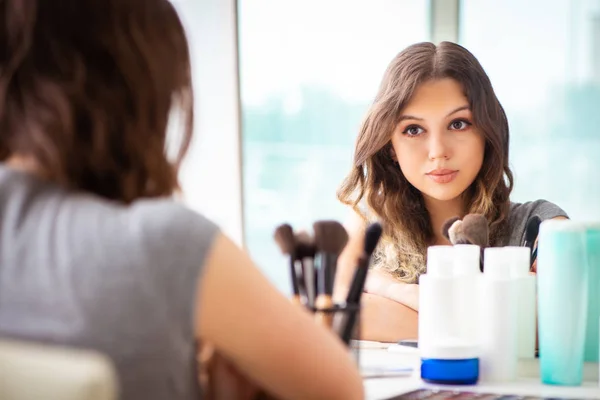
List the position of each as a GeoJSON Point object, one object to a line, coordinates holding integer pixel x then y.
{"type": "Point", "coordinates": [563, 272]}
{"type": "Point", "coordinates": [592, 335]}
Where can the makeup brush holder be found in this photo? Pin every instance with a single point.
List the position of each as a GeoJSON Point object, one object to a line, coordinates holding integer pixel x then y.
{"type": "Point", "coordinates": [345, 323]}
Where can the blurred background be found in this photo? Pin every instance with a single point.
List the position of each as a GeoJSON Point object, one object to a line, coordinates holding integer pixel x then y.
{"type": "Point", "coordinates": [282, 86]}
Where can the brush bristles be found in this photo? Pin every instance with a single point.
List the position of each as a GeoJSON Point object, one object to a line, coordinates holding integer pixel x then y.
{"type": "Point", "coordinates": [330, 237]}
{"type": "Point", "coordinates": [476, 229]}
{"type": "Point", "coordinates": [372, 236]}
{"type": "Point", "coordinates": [285, 239]}
{"type": "Point", "coordinates": [456, 234]}
{"type": "Point", "coordinates": [305, 246]}
{"type": "Point", "coordinates": [447, 225]}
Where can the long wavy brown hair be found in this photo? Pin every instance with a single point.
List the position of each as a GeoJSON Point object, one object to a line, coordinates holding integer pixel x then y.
{"type": "Point", "coordinates": [87, 88]}
{"type": "Point", "coordinates": [376, 187]}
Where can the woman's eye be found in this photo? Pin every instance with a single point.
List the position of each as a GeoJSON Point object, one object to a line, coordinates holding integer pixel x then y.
{"type": "Point", "coordinates": [413, 130]}
{"type": "Point", "coordinates": [459, 125]}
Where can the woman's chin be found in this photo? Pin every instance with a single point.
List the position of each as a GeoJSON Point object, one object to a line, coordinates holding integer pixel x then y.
{"type": "Point", "coordinates": [443, 195]}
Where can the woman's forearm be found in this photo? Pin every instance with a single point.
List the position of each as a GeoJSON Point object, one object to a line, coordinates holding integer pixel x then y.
{"type": "Point", "coordinates": [385, 285]}
{"type": "Point", "coordinates": [385, 320]}
{"type": "Point", "coordinates": [404, 293]}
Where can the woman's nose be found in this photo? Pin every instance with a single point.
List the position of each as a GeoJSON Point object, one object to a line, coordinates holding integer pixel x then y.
{"type": "Point", "coordinates": [438, 146]}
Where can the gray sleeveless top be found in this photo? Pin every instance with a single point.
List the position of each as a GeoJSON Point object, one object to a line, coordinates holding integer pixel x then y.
{"type": "Point", "coordinates": [521, 212]}
{"type": "Point", "coordinates": [80, 271]}
{"type": "Point", "coordinates": [518, 216]}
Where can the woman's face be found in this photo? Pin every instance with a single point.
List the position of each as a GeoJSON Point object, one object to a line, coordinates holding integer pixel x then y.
{"type": "Point", "coordinates": [439, 150]}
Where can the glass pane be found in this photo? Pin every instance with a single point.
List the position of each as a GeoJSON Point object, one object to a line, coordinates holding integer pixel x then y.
{"type": "Point", "coordinates": [211, 24]}
{"type": "Point", "coordinates": [543, 58]}
{"type": "Point", "coordinates": [308, 70]}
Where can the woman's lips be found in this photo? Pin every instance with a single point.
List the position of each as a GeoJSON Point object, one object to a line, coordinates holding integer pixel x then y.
{"type": "Point", "coordinates": [442, 175]}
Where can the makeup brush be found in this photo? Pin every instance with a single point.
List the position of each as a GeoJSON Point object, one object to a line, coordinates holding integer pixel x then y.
{"type": "Point", "coordinates": [447, 225]}
{"type": "Point", "coordinates": [305, 254]}
{"type": "Point", "coordinates": [472, 229]}
{"type": "Point", "coordinates": [330, 239]}
{"type": "Point", "coordinates": [372, 235]}
{"type": "Point", "coordinates": [285, 239]}
{"type": "Point", "coordinates": [531, 233]}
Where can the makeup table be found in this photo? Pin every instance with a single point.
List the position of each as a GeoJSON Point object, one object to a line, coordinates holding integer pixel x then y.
{"type": "Point", "coordinates": [376, 359]}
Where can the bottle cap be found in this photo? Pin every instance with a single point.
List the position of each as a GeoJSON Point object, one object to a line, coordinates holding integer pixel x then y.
{"type": "Point", "coordinates": [466, 259]}
{"type": "Point", "coordinates": [561, 225]}
{"type": "Point", "coordinates": [495, 263]}
{"type": "Point", "coordinates": [450, 361]}
{"type": "Point", "coordinates": [449, 348]}
{"type": "Point", "coordinates": [519, 259]}
{"type": "Point", "coordinates": [440, 260]}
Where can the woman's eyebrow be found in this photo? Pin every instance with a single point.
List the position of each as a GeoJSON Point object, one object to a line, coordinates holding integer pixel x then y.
{"type": "Point", "coordinates": [461, 108]}
{"type": "Point", "coordinates": [405, 117]}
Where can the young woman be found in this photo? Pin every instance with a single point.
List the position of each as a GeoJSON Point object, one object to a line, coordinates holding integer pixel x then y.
{"type": "Point", "coordinates": [94, 252]}
{"type": "Point", "coordinates": [434, 145]}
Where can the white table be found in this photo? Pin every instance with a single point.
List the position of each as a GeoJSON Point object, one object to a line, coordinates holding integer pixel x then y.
{"type": "Point", "coordinates": [376, 355]}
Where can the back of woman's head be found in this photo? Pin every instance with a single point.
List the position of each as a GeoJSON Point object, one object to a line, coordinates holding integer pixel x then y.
{"type": "Point", "coordinates": [87, 88]}
{"type": "Point", "coordinates": [377, 178]}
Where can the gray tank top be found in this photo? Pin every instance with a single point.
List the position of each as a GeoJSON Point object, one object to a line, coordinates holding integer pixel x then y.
{"type": "Point", "coordinates": [81, 271]}
{"type": "Point", "coordinates": [520, 213]}
{"type": "Point", "coordinates": [518, 216]}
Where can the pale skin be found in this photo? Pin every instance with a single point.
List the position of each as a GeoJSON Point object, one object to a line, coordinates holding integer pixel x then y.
{"type": "Point", "coordinates": [260, 331]}
{"type": "Point", "coordinates": [435, 133]}
{"type": "Point", "coordinates": [270, 343]}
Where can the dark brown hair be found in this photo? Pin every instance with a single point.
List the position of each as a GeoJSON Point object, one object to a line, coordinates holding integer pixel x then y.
{"type": "Point", "coordinates": [389, 197]}
{"type": "Point", "coordinates": [87, 88]}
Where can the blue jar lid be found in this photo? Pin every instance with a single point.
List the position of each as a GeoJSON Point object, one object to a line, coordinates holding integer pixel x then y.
{"type": "Point", "coordinates": [450, 372]}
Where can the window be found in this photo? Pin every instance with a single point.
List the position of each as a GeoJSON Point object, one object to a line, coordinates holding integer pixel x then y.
{"type": "Point", "coordinates": [308, 71]}
{"type": "Point", "coordinates": [545, 68]}
{"type": "Point", "coordinates": [210, 176]}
